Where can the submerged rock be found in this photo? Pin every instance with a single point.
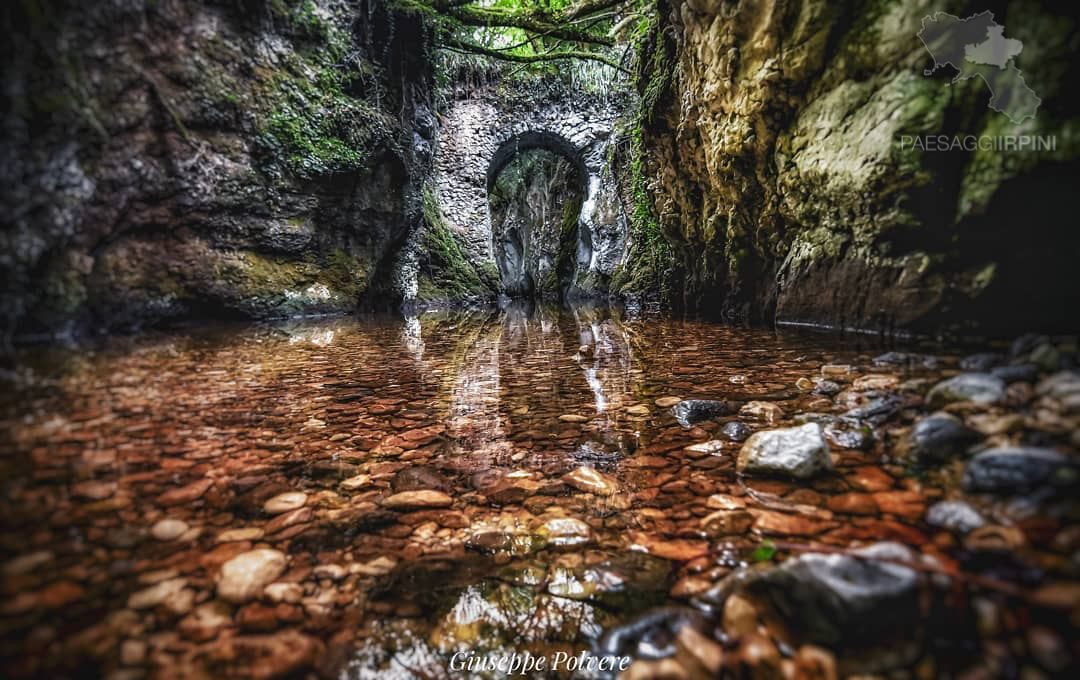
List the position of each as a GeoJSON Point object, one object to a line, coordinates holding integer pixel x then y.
{"type": "Point", "coordinates": [1016, 373]}
{"type": "Point", "coordinates": [168, 529]}
{"type": "Point", "coordinates": [1009, 469]}
{"type": "Point", "coordinates": [981, 362]}
{"type": "Point", "coordinates": [419, 477]}
{"type": "Point", "coordinates": [842, 599]}
{"type": "Point", "coordinates": [735, 431]}
{"type": "Point", "coordinates": [691, 411]}
{"type": "Point", "coordinates": [564, 531]}
{"type": "Point", "coordinates": [651, 635]}
{"type": "Point", "coordinates": [799, 452]}
{"type": "Point", "coordinates": [906, 359]}
{"type": "Point", "coordinates": [849, 435]}
{"type": "Point", "coordinates": [285, 502]}
{"type": "Point", "coordinates": [878, 410]}
{"type": "Point", "coordinates": [981, 388]}
{"type": "Point", "coordinates": [421, 498]}
{"type": "Point", "coordinates": [243, 577]}
{"type": "Point", "coordinates": [940, 437]}
{"type": "Point", "coordinates": [954, 516]}
{"type": "Point", "coordinates": [588, 479]}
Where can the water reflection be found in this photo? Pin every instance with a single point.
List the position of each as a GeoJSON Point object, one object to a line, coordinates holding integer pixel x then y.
{"type": "Point", "coordinates": [481, 481]}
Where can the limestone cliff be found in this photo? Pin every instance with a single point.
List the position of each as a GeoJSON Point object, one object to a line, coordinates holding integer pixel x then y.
{"type": "Point", "coordinates": [772, 138]}
{"type": "Point", "coordinates": [164, 160]}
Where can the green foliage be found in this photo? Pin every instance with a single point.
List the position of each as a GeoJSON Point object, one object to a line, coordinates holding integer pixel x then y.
{"type": "Point", "coordinates": [445, 270]}
{"type": "Point", "coordinates": [345, 274]}
{"type": "Point", "coordinates": [763, 552]}
{"type": "Point", "coordinates": [310, 119]}
{"type": "Point", "coordinates": [316, 127]}
{"type": "Point", "coordinates": [485, 41]}
{"type": "Point", "coordinates": [648, 267]}
{"type": "Point", "coordinates": [655, 69]}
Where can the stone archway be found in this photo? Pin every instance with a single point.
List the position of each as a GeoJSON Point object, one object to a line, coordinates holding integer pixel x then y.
{"type": "Point", "coordinates": [536, 186]}
{"type": "Point", "coordinates": [479, 135]}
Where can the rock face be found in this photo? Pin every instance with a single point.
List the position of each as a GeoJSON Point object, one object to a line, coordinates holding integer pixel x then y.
{"type": "Point", "coordinates": [799, 452]}
{"type": "Point", "coordinates": [535, 207]}
{"type": "Point", "coordinates": [774, 148]}
{"type": "Point", "coordinates": [206, 159]}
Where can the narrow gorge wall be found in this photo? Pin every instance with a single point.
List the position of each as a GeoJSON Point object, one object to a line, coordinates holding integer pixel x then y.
{"type": "Point", "coordinates": [772, 133]}
{"type": "Point", "coordinates": [164, 160]}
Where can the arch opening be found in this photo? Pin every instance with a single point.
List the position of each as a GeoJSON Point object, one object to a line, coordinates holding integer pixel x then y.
{"type": "Point", "coordinates": [537, 186]}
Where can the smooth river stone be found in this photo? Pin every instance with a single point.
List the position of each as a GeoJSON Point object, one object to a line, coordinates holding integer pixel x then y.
{"type": "Point", "coordinates": [423, 498]}
{"type": "Point", "coordinates": [799, 452]}
{"type": "Point", "coordinates": [637, 410]}
{"type": "Point", "coordinates": [980, 388]}
{"type": "Point", "coordinates": [573, 418]}
{"type": "Point", "coordinates": [667, 402]}
{"type": "Point", "coordinates": [285, 502]}
{"type": "Point", "coordinates": [588, 479]}
{"type": "Point", "coordinates": [565, 531]}
{"type": "Point", "coordinates": [241, 534]}
{"type": "Point", "coordinates": [243, 577]}
{"type": "Point", "coordinates": [156, 594]}
{"type": "Point", "coordinates": [357, 482]}
{"type": "Point", "coordinates": [168, 529]}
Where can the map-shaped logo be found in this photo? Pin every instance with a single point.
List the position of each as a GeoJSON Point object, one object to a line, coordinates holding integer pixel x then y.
{"type": "Point", "coordinates": [977, 46]}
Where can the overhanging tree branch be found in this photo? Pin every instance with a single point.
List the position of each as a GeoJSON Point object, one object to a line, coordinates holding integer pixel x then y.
{"type": "Point", "coordinates": [470, 48]}
{"type": "Point", "coordinates": [489, 17]}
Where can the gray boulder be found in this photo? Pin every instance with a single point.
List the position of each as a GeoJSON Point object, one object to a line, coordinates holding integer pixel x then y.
{"type": "Point", "coordinates": [691, 411]}
{"type": "Point", "coordinates": [834, 599]}
{"type": "Point", "coordinates": [981, 388]}
{"type": "Point", "coordinates": [1012, 468]}
{"type": "Point", "coordinates": [800, 452]}
{"type": "Point", "coordinates": [954, 516]}
{"type": "Point", "coordinates": [939, 437]}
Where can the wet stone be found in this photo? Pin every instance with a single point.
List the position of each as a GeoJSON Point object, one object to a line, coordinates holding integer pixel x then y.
{"type": "Point", "coordinates": [692, 411]}
{"type": "Point", "coordinates": [955, 516]}
{"type": "Point", "coordinates": [1013, 469]}
{"type": "Point", "coordinates": [849, 435]}
{"type": "Point", "coordinates": [735, 431]}
{"type": "Point", "coordinates": [564, 532]}
{"type": "Point", "coordinates": [285, 502]}
{"type": "Point", "coordinates": [834, 599]}
{"type": "Point", "coordinates": [1016, 373]}
{"type": "Point", "coordinates": [243, 577]}
{"type": "Point", "coordinates": [168, 529]}
{"type": "Point", "coordinates": [980, 388]}
{"type": "Point", "coordinates": [799, 452]}
{"type": "Point", "coordinates": [592, 481]}
{"type": "Point", "coordinates": [413, 500]}
{"type": "Point", "coordinates": [981, 362]}
{"type": "Point", "coordinates": [907, 359]}
{"type": "Point", "coordinates": [878, 410]}
{"type": "Point", "coordinates": [420, 477]}
{"type": "Point", "coordinates": [940, 437]}
{"type": "Point", "coordinates": [762, 410]}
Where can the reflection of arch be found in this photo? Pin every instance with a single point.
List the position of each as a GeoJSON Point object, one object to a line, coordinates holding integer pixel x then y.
{"type": "Point", "coordinates": [535, 139]}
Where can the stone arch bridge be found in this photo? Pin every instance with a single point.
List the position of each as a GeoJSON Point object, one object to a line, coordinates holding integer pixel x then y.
{"type": "Point", "coordinates": [478, 136]}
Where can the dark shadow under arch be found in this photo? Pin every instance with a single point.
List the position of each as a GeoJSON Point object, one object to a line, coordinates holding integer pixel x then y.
{"type": "Point", "coordinates": [535, 140]}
